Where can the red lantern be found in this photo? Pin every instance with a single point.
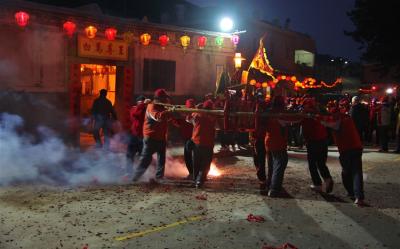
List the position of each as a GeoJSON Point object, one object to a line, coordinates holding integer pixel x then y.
{"type": "Point", "coordinates": [235, 40]}
{"type": "Point", "coordinates": [69, 28]}
{"type": "Point", "coordinates": [163, 41]}
{"type": "Point", "coordinates": [110, 34]}
{"type": "Point", "coordinates": [21, 18]}
{"type": "Point", "coordinates": [201, 42]}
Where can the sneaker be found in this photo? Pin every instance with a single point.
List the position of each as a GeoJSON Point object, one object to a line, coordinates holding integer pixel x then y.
{"type": "Point", "coordinates": [198, 184]}
{"type": "Point", "coordinates": [359, 203]}
{"type": "Point", "coordinates": [316, 188]}
{"type": "Point", "coordinates": [272, 194]}
{"type": "Point", "coordinates": [328, 185]}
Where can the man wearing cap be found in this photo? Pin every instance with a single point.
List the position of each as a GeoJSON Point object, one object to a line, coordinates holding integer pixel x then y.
{"type": "Point", "coordinates": [203, 138]}
{"type": "Point", "coordinates": [350, 152]}
{"type": "Point", "coordinates": [154, 135]}
{"type": "Point", "coordinates": [316, 137]}
{"type": "Point", "coordinates": [135, 144]}
{"type": "Point", "coordinates": [103, 115]}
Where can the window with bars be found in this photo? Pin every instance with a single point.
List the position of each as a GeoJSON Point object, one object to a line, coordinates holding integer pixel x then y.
{"type": "Point", "coordinates": [159, 74]}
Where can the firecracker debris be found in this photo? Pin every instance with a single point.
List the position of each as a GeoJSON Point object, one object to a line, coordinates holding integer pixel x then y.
{"type": "Point", "coordinates": [33, 216]}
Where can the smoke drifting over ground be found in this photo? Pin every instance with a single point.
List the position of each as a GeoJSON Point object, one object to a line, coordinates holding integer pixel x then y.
{"type": "Point", "coordinates": [49, 161]}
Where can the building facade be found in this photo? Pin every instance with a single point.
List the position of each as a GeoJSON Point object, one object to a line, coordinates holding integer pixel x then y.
{"type": "Point", "coordinates": [59, 76]}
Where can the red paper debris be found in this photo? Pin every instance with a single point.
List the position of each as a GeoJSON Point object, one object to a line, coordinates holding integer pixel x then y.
{"type": "Point", "coordinates": [255, 218]}
{"type": "Point", "coordinates": [284, 246]}
{"type": "Point", "coordinates": [201, 197]}
{"type": "Point", "coordinates": [288, 246]}
{"type": "Point", "coordinates": [85, 246]}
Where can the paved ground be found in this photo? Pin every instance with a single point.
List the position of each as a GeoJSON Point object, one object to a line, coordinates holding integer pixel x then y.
{"type": "Point", "coordinates": [175, 215]}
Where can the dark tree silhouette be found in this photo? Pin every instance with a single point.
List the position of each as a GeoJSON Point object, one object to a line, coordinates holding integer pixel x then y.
{"type": "Point", "coordinates": [376, 25]}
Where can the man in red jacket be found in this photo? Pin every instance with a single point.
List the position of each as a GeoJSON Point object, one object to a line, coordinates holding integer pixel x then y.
{"type": "Point", "coordinates": [135, 144]}
{"type": "Point", "coordinates": [350, 152]}
{"type": "Point", "coordinates": [154, 135]}
{"type": "Point", "coordinates": [316, 137]}
{"type": "Point", "coordinates": [203, 138]}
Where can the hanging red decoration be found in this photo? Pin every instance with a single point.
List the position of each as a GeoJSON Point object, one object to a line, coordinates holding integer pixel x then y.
{"type": "Point", "coordinates": [163, 41]}
{"type": "Point", "coordinates": [235, 40]}
{"type": "Point", "coordinates": [22, 18]}
{"type": "Point", "coordinates": [69, 28]}
{"type": "Point", "coordinates": [201, 42]}
{"type": "Point", "coordinates": [110, 34]}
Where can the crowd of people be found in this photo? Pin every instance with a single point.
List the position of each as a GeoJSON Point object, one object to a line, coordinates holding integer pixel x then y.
{"type": "Point", "coordinates": [348, 123]}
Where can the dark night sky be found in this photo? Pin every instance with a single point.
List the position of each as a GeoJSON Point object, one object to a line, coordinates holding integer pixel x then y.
{"type": "Point", "coordinates": [324, 20]}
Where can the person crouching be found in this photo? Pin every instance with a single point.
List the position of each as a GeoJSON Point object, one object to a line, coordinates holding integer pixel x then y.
{"type": "Point", "coordinates": [203, 138]}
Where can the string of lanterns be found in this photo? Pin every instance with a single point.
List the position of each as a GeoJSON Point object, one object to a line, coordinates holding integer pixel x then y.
{"type": "Point", "coordinates": [307, 83]}
{"type": "Point", "coordinates": [70, 28]}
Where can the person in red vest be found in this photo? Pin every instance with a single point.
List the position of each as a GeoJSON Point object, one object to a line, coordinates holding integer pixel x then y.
{"type": "Point", "coordinates": [154, 135]}
{"type": "Point", "coordinates": [276, 146]}
{"type": "Point", "coordinates": [350, 152]}
{"type": "Point", "coordinates": [186, 130]}
{"type": "Point", "coordinates": [135, 144]}
{"type": "Point", "coordinates": [259, 152]}
{"type": "Point", "coordinates": [316, 137]}
{"type": "Point", "coordinates": [203, 137]}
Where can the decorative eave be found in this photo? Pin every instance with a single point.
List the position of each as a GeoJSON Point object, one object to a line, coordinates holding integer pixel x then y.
{"type": "Point", "coordinates": [59, 14]}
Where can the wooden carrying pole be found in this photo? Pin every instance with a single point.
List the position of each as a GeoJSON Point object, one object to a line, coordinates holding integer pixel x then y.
{"type": "Point", "coordinates": [183, 109]}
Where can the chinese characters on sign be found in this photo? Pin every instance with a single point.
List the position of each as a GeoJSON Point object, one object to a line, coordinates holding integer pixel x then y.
{"type": "Point", "coordinates": [103, 49]}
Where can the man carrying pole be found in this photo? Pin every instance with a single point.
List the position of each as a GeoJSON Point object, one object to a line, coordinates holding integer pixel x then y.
{"type": "Point", "coordinates": [154, 135]}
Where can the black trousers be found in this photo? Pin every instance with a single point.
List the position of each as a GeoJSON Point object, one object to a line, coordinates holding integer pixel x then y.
{"type": "Point", "coordinates": [202, 157]}
{"type": "Point", "coordinates": [398, 142]}
{"type": "Point", "coordinates": [135, 147]}
{"type": "Point", "coordinates": [278, 160]}
{"type": "Point", "coordinates": [259, 155]}
{"type": "Point", "coordinates": [352, 174]}
{"type": "Point", "coordinates": [105, 124]}
{"type": "Point", "coordinates": [317, 154]}
{"type": "Point", "coordinates": [384, 136]}
{"type": "Point", "coordinates": [188, 155]}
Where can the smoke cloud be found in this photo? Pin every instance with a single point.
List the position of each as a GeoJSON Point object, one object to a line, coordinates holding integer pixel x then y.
{"type": "Point", "coordinates": [48, 160]}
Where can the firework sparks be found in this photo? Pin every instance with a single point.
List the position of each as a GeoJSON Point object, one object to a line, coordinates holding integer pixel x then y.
{"type": "Point", "coordinates": [214, 171]}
